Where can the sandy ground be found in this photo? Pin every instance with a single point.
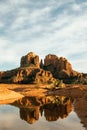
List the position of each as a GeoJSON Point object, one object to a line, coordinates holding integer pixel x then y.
{"type": "Point", "coordinates": [11, 92]}
{"type": "Point", "coordinates": [7, 95]}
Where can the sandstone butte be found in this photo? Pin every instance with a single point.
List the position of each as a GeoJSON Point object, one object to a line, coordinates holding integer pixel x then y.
{"type": "Point", "coordinates": [32, 70]}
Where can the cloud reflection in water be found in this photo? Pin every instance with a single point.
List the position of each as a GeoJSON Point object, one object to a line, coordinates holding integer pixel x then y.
{"type": "Point", "coordinates": [42, 112]}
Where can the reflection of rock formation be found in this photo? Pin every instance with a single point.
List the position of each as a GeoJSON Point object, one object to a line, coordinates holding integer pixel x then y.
{"type": "Point", "coordinates": [80, 107]}
{"type": "Point", "coordinates": [29, 114]}
{"type": "Point", "coordinates": [30, 108]}
{"type": "Point", "coordinates": [54, 111]}
{"type": "Point", "coordinates": [53, 108]}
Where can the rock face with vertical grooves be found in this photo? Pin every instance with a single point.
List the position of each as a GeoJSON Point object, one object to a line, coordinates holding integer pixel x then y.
{"type": "Point", "coordinates": [28, 72]}
{"type": "Point", "coordinates": [33, 71]}
{"type": "Point", "coordinates": [59, 67]}
{"type": "Point", "coordinates": [30, 59]}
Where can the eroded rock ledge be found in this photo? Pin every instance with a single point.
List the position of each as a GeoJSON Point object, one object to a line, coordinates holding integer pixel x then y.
{"type": "Point", "coordinates": [33, 71]}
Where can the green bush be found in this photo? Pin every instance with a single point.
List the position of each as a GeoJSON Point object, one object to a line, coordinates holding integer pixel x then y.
{"type": "Point", "coordinates": [56, 84]}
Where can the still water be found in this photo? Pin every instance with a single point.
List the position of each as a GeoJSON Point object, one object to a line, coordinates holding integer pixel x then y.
{"type": "Point", "coordinates": [40, 113]}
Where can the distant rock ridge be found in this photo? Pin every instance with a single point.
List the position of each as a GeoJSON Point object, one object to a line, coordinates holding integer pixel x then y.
{"type": "Point", "coordinates": [33, 71]}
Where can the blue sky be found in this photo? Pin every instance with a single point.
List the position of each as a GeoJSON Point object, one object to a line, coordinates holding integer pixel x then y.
{"type": "Point", "coordinates": [44, 27]}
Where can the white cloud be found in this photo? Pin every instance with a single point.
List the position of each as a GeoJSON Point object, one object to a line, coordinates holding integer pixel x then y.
{"type": "Point", "coordinates": [7, 53]}
{"type": "Point", "coordinates": [17, 2]}
{"type": "Point", "coordinates": [1, 25]}
{"type": "Point", "coordinates": [58, 27]}
{"type": "Point", "coordinates": [76, 7]}
{"type": "Point", "coordinates": [3, 42]}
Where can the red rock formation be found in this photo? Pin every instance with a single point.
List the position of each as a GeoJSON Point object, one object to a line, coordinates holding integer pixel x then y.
{"type": "Point", "coordinates": [59, 67]}
{"type": "Point", "coordinates": [31, 71]}
{"type": "Point", "coordinates": [26, 75]}
{"type": "Point", "coordinates": [30, 59]}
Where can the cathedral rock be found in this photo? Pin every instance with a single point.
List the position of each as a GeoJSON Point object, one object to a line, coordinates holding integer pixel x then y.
{"type": "Point", "coordinates": [32, 70]}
